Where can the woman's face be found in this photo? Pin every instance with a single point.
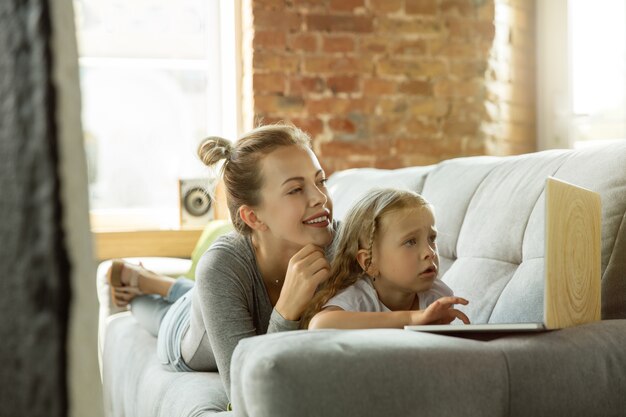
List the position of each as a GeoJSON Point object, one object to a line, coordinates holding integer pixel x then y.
{"type": "Point", "coordinates": [295, 205]}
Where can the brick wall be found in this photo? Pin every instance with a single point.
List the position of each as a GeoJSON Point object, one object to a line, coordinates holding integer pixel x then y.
{"type": "Point", "coordinates": [510, 123]}
{"type": "Point", "coordinates": [392, 83]}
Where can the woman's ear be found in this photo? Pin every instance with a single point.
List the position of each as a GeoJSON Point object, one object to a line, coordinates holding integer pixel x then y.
{"type": "Point", "coordinates": [250, 218]}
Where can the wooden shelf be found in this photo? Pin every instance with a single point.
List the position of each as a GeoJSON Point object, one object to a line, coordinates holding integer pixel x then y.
{"type": "Point", "coordinates": [168, 243]}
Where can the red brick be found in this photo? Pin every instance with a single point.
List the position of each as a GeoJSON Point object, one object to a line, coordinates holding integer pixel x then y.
{"type": "Point", "coordinates": [266, 39]}
{"type": "Point", "coordinates": [338, 106]}
{"type": "Point", "coordinates": [409, 26]}
{"type": "Point", "coordinates": [278, 104]}
{"type": "Point", "coordinates": [385, 6]}
{"type": "Point", "coordinates": [454, 49]}
{"type": "Point", "coordinates": [309, 5]}
{"type": "Point", "coordinates": [269, 19]}
{"type": "Point", "coordinates": [311, 125]}
{"type": "Point", "coordinates": [411, 67]}
{"type": "Point", "coordinates": [343, 65]}
{"type": "Point", "coordinates": [487, 11]}
{"type": "Point", "coordinates": [425, 7]}
{"type": "Point", "coordinates": [408, 47]}
{"type": "Point", "coordinates": [345, 5]}
{"type": "Point", "coordinates": [429, 107]}
{"type": "Point", "coordinates": [421, 128]}
{"type": "Point", "coordinates": [303, 85]}
{"type": "Point", "coordinates": [265, 104]}
{"type": "Point", "coordinates": [357, 149]}
{"type": "Point", "coordinates": [268, 83]}
{"type": "Point", "coordinates": [386, 124]}
{"type": "Point", "coordinates": [388, 162]}
{"type": "Point", "coordinates": [420, 88]}
{"type": "Point", "coordinates": [338, 44]}
{"type": "Point", "coordinates": [485, 30]}
{"type": "Point", "coordinates": [460, 128]}
{"type": "Point", "coordinates": [338, 23]}
{"type": "Point", "coordinates": [341, 125]}
{"type": "Point", "coordinates": [392, 104]}
{"type": "Point", "coordinates": [272, 61]}
{"type": "Point", "coordinates": [378, 87]}
{"type": "Point", "coordinates": [468, 69]}
{"type": "Point", "coordinates": [433, 147]}
{"type": "Point", "coordinates": [375, 44]}
{"type": "Point", "coordinates": [307, 42]}
{"type": "Point", "coordinates": [458, 7]}
{"type": "Point", "coordinates": [471, 29]}
{"type": "Point", "coordinates": [460, 27]}
{"type": "Point", "coordinates": [446, 88]}
{"type": "Point", "coordinates": [343, 84]}
{"type": "Point", "coordinates": [268, 4]}
{"type": "Point", "coordinates": [469, 110]}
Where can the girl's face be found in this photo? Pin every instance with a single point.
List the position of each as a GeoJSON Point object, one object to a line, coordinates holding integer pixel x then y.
{"type": "Point", "coordinates": [295, 205]}
{"type": "Point", "coordinates": [405, 254]}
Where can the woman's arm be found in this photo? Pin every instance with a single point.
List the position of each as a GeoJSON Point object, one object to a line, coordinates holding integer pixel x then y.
{"type": "Point", "coordinates": [223, 295]}
{"type": "Point", "coordinates": [439, 312]}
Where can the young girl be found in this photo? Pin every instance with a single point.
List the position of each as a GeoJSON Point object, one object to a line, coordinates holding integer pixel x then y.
{"type": "Point", "coordinates": [384, 268]}
{"type": "Point", "coordinates": [256, 280]}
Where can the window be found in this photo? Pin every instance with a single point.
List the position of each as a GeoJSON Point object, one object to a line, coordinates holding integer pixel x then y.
{"type": "Point", "coordinates": [156, 77]}
{"type": "Point", "coordinates": [581, 72]}
{"type": "Point", "coordinates": [598, 68]}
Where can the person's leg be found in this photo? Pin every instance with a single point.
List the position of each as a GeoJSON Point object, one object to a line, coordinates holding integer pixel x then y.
{"type": "Point", "coordinates": [171, 332]}
{"type": "Point", "coordinates": [178, 289]}
{"type": "Point", "coordinates": [149, 310]}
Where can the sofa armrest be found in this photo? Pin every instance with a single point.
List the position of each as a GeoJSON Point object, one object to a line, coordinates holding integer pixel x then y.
{"type": "Point", "coordinates": [576, 371]}
{"type": "Point", "coordinates": [378, 372]}
{"type": "Point", "coordinates": [173, 267]}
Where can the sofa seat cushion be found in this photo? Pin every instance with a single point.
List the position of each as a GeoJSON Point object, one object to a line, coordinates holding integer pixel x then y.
{"type": "Point", "coordinates": [135, 384]}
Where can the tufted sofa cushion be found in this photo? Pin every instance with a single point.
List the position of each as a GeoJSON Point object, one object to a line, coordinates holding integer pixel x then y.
{"type": "Point", "coordinates": [490, 216]}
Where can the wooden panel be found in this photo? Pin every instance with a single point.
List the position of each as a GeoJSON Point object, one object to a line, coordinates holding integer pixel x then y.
{"type": "Point", "coordinates": [169, 243]}
{"type": "Point", "coordinates": [573, 228]}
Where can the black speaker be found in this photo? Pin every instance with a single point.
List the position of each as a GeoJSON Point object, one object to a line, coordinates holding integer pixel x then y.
{"type": "Point", "coordinates": [195, 202]}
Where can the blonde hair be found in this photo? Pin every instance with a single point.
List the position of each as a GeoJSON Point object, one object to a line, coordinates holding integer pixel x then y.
{"type": "Point", "coordinates": [241, 169]}
{"type": "Point", "coordinates": [357, 231]}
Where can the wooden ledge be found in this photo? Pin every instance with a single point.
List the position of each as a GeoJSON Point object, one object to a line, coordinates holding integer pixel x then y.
{"type": "Point", "coordinates": [167, 243]}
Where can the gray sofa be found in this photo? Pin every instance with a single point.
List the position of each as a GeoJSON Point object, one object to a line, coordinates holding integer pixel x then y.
{"type": "Point", "coordinates": [490, 216]}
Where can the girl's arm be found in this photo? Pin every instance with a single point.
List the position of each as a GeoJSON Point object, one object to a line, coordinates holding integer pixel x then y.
{"type": "Point", "coordinates": [439, 312]}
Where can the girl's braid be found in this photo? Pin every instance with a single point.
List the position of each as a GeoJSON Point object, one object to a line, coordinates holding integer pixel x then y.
{"type": "Point", "coordinates": [370, 246]}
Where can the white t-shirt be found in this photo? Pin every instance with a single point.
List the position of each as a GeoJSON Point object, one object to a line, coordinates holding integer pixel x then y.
{"type": "Point", "coordinates": [362, 296]}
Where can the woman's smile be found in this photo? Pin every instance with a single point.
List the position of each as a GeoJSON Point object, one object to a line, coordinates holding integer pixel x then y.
{"type": "Point", "coordinates": [321, 219]}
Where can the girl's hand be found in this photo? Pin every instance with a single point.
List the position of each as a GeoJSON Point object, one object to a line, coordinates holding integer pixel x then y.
{"type": "Point", "coordinates": [306, 270]}
{"type": "Point", "coordinates": [440, 312]}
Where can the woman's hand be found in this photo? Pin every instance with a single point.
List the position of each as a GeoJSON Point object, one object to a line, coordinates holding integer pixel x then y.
{"type": "Point", "coordinates": [306, 270]}
{"type": "Point", "coordinates": [440, 312]}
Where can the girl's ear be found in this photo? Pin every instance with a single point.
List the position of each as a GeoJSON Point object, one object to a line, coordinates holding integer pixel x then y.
{"type": "Point", "coordinates": [250, 218]}
{"type": "Point", "coordinates": [363, 258]}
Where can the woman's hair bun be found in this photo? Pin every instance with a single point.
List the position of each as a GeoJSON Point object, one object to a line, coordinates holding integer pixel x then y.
{"type": "Point", "coordinates": [213, 149]}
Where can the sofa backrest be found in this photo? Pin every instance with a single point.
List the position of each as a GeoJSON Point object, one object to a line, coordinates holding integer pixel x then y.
{"type": "Point", "coordinates": [490, 216]}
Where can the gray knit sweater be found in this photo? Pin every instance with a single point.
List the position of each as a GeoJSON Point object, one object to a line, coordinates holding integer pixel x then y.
{"type": "Point", "coordinates": [229, 303]}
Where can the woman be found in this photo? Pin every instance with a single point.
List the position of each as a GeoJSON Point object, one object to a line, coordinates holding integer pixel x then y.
{"type": "Point", "coordinates": [256, 280]}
